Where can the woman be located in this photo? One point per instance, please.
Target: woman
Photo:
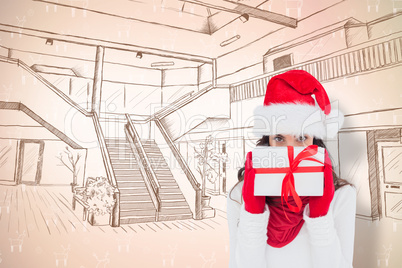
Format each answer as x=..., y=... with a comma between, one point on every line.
x=321, y=234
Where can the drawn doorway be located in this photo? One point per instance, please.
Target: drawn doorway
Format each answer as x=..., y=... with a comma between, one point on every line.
x=30, y=162
x=390, y=175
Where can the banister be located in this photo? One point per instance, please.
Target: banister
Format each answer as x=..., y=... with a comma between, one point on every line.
x=161, y=111
x=184, y=102
x=185, y=168
x=176, y=105
x=109, y=170
x=60, y=93
x=145, y=165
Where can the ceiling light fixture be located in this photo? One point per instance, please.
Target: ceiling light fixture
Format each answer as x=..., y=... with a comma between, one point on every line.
x=162, y=64
x=49, y=42
x=244, y=18
x=230, y=40
x=139, y=55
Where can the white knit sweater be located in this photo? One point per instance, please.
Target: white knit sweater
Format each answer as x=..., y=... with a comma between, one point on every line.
x=324, y=242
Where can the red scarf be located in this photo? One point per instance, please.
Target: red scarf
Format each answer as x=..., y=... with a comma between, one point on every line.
x=282, y=231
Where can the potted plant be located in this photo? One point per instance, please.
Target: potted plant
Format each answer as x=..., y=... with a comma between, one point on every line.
x=72, y=166
x=99, y=197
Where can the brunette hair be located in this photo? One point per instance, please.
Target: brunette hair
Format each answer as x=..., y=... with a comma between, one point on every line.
x=264, y=141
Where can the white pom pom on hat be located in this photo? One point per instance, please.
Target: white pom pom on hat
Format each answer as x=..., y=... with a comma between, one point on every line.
x=289, y=108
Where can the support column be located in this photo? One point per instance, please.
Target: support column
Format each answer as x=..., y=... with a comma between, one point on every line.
x=198, y=77
x=98, y=77
x=163, y=73
x=223, y=189
x=214, y=73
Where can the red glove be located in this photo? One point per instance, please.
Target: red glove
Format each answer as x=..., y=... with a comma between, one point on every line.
x=253, y=204
x=319, y=205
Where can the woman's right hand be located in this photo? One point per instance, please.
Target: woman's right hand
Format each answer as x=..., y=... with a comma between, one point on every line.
x=253, y=204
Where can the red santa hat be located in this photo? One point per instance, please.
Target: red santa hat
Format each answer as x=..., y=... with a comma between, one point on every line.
x=289, y=108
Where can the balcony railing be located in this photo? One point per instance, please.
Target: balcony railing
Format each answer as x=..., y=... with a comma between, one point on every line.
x=370, y=58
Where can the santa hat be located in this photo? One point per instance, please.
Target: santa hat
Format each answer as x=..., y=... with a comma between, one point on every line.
x=289, y=108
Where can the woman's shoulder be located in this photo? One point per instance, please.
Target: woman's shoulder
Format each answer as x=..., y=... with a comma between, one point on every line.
x=347, y=191
x=235, y=193
x=344, y=198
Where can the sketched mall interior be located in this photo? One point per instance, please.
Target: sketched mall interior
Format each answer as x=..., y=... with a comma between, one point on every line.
x=151, y=102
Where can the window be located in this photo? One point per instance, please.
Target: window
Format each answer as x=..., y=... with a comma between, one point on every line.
x=283, y=62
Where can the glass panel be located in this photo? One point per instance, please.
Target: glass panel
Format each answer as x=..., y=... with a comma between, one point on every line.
x=392, y=159
x=30, y=162
x=7, y=159
x=393, y=205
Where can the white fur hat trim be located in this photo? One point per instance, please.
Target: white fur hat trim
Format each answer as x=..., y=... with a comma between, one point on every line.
x=296, y=119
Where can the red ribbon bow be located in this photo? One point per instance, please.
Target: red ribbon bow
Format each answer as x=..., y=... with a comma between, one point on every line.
x=288, y=183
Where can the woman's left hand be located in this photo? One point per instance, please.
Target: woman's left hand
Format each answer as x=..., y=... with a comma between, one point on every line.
x=319, y=205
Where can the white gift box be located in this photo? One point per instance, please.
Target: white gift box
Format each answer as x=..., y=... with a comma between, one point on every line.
x=272, y=164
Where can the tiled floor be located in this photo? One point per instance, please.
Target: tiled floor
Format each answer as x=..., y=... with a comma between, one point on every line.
x=378, y=243
x=39, y=229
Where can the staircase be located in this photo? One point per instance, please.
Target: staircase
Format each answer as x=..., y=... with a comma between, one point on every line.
x=173, y=204
x=135, y=203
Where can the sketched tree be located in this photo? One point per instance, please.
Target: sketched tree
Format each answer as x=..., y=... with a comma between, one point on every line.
x=71, y=165
x=208, y=156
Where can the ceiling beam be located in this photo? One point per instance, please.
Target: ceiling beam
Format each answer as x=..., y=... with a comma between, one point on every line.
x=94, y=42
x=232, y=7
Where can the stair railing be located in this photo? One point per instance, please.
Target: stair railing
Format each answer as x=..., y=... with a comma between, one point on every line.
x=144, y=164
x=115, y=222
x=173, y=107
x=60, y=93
x=185, y=168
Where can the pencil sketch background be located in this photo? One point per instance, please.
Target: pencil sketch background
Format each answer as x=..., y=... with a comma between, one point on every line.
x=157, y=97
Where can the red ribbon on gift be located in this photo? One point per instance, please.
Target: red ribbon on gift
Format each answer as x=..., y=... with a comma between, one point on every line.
x=288, y=183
